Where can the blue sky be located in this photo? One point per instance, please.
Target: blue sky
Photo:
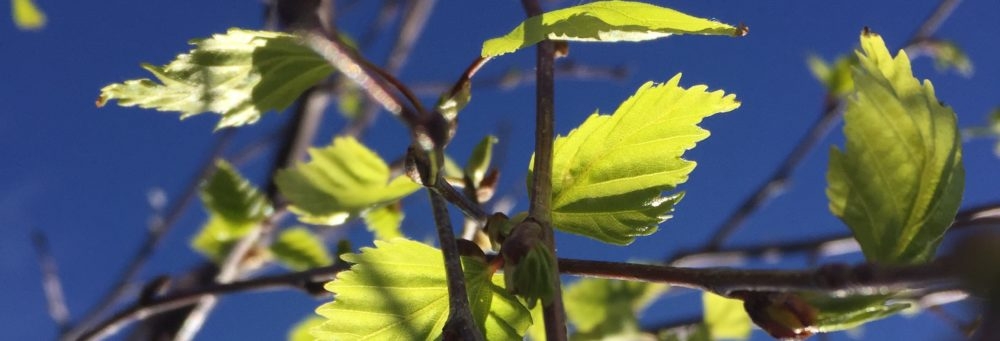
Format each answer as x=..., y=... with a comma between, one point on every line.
x=82, y=174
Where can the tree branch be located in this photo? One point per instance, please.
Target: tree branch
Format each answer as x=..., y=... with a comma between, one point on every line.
x=460, y=323
x=541, y=187
x=156, y=233
x=51, y=283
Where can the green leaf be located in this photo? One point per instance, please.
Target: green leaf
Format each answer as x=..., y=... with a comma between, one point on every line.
x=235, y=208
x=232, y=197
x=341, y=181
x=836, y=77
x=608, y=174
x=398, y=291
x=239, y=75
x=698, y=332
x=384, y=222
x=299, y=249
x=600, y=308
x=218, y=236
x=899, y=181
x=947, y=55
x=302, y=330
x=725, y=317
x=479, y=162
x=843, y=313
x=27, y=15
x=605, y=21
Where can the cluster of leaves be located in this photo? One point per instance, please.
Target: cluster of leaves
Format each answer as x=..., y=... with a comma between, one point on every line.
x=897, y=183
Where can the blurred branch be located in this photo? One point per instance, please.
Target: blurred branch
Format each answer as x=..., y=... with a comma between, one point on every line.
x=826, y=246
x=156, y=233
x=50, y=281
x=311, y=281
x=515, y=78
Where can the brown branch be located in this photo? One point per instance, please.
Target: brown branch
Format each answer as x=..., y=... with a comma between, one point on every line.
x=827, y=246
x=156, y=234
x=933, y=278
x=513, y=78
x=541, y=187
x=460, y=323
x=51, y=283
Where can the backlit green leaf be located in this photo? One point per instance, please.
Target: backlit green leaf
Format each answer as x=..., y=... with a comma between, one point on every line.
x=27, y=15
x=899, y=181
x=835, y=76
x=339, y=182
x=725, y=317
x=234, y=198
x=601, y=308
x=398, y=291
x=605, y=21
x=609, y=174
x=235, y=207
x=302, y=330
x=384, y=222
x=299, y=249
x=239, y=75
x=218, y=236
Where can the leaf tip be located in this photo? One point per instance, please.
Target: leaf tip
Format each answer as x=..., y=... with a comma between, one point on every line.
x=741, y=30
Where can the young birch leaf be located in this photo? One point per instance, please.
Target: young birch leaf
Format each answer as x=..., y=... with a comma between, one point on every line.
x=605, y=21
x=398, y=291
x=725, y=317
x=899, y=181
x=235, y=207
x=27, y=15
x=479, y=161
x=608, y=174
x=299, y=249
x=384, y=221
x=340, y=182
x=239, y=75
x=603, y=308
x=302, y=331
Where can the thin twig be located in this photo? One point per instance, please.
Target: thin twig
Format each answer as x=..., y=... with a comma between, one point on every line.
x=156, y=233
x=935, y=19
x=541, y=187
x=51, y=283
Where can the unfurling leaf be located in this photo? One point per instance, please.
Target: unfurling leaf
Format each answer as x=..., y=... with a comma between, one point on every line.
x=783, y=315
x=898, y=183
x=235, y=207
x=299, y=249
x=725, y=317
x=479, y=162
x=239, y=75
x=339, y=182
x=605, y=21
x=608, y=309
x=608, y=175
x=528, y=264
x=384, y=221
x=398, y=291
x=947, y=55
x=27, y=15
x=843, y=313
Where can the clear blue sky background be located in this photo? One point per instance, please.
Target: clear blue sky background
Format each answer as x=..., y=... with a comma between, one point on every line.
x=81, y=174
